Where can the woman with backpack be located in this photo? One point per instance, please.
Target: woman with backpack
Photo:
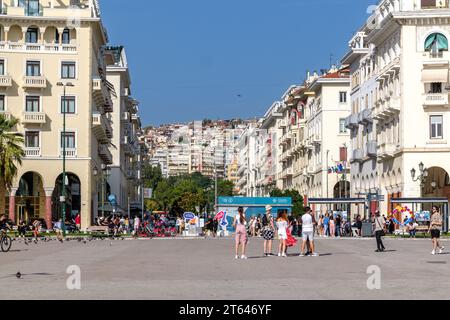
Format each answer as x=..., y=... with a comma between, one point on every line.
x=268, y=231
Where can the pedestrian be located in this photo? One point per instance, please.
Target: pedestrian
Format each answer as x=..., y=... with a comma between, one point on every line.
x=22, y=228
x=240, y=224
x=326, y=221
x=127, y=225
x=332, y=226
x=435, y=230
x=380, y=231
x=308, y=233
x=282, y=225
x=338, y=225
x=78, y=222
x=137, y=225
x=359, y=225
x=391, y=226
x=253, y=222
x=36, y=228
x=268, y=231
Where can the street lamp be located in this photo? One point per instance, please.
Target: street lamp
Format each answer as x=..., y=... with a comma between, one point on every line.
x=63, y=190
x=105, y=175
x=422, y=176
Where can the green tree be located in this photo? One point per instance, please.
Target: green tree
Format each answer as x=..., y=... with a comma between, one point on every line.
x=11, y=151
x=151, y=176
x=297, y=200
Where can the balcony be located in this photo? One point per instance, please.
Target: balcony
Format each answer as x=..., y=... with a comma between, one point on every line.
x=358, y=155
x=32, y=152
x=316, y=139
x=435, y=99
x=310, y=170
x=130, y=174
x=34, y=82
x=365, y=117
x=104, y=153
x=70, y=153
x=351, y=121
x=5, y=81
x=102, y=95
x=125, y=116
x=371, y=148
x=34, y=118
x=386, y=151
x=37, y=47
x=101, y=127
x=6, y=115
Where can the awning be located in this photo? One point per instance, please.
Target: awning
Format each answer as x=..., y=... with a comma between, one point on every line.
x=435, y=75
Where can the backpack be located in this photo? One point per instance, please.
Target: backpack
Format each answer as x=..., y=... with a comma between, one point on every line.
x=265, y=220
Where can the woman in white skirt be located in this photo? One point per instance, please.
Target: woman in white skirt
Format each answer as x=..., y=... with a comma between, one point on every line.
x=282, y=225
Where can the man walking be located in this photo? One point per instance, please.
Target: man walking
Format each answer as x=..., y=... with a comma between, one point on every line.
x=435, y=229
x=380, y=231
x=308, y=232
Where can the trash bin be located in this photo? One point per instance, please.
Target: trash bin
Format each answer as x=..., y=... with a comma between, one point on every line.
x=367, y=229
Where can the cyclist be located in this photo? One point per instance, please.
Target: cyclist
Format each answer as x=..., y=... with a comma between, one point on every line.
x=4, y=226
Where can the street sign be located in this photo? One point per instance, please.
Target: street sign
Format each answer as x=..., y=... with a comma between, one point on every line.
x=148, y=193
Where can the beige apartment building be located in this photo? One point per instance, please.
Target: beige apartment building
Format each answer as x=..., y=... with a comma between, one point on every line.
x=400, y=110
x=43, y=43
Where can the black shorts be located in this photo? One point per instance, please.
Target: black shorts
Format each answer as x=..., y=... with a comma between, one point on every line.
x=435, y=234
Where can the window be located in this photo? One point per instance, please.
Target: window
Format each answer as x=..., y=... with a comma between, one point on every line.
x=32, y=35
x=342, y=128
x=32, y=104
x=68, y=105
x=31, y=7
x=68, y=70
x=65, y=36
x=436, y=87
x=33, y=68
x=436, y=130
x=32, y=139
x=2, y=103
x=343, y=97
x=436, y=43
x=2, y=67
x=69, y=140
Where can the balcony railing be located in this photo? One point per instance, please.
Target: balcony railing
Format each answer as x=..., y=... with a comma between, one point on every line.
x=386, y=151
x=5, y=81
x=34, y=82
x=31, y=152
x=371, y=148
x=70, y=153
x=37, y=47
x=358, y=155
x=435, y=99
x=6, y=115
x=102, y=95
x=104, y=153
x=34, y=118
x=351, y=121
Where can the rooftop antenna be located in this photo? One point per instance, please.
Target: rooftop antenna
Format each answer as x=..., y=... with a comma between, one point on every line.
x=331, y=60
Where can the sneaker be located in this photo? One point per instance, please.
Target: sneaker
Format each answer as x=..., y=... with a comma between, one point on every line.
x=301, y=255
x=433, y=252
x=236, y=257
x=441, y=250
x=243, y=257
x=284, y=255
x=279, y=254
x=314, y=254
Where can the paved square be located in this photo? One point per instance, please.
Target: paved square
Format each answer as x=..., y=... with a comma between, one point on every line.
x=206, y=269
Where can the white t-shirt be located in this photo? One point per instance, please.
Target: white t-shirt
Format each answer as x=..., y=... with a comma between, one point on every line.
x=238, y=220
x=307, y=223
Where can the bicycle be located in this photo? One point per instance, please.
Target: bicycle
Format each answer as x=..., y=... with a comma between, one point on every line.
x=5, y=241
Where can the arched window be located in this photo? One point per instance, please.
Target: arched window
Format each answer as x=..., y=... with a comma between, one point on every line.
x=436, y=42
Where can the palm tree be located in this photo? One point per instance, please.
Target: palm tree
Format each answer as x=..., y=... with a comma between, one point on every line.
x=11, y=151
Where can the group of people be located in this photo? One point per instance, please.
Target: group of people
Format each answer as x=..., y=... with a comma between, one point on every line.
x=281, y=226
x=326, y=226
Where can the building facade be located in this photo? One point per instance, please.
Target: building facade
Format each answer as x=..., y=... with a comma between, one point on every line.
x=399, y=68
x=49, y=48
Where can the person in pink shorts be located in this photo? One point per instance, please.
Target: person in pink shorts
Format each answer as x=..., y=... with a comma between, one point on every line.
x=240, y=224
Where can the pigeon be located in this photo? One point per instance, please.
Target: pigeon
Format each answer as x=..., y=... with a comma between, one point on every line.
x=79, y=240
x=84, y=241
x=26, y=242
x=18, y=275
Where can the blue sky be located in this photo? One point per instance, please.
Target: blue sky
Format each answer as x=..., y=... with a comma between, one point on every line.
x=196, y=59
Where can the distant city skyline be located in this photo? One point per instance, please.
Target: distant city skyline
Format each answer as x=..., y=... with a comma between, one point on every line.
x=223, y=60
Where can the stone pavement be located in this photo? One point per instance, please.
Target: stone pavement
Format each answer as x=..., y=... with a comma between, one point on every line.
x=206, y=269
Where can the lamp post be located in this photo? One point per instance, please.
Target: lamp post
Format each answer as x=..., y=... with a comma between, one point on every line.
x=64, y=106
x=105, y=175
x=422, y=177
